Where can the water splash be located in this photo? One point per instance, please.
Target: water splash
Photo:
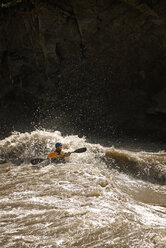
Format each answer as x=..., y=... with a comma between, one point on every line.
x=22, y=147
x=81, y=203
x=146, y=165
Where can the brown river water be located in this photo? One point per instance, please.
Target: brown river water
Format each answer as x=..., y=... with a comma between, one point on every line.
x=86, y=202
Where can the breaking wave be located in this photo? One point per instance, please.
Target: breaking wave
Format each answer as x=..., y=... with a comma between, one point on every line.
x=22, y=147
x=87, y=202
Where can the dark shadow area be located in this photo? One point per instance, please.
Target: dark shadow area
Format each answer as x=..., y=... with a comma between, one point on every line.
x=95, y=69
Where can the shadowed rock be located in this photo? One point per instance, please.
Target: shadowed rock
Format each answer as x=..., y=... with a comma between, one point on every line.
x=99, y=63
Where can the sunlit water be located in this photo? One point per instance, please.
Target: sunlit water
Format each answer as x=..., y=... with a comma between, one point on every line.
x=83, y=203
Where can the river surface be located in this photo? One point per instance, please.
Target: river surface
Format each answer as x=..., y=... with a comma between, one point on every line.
x=86, y=202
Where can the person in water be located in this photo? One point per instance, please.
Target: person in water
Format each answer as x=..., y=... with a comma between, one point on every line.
x=58, y=155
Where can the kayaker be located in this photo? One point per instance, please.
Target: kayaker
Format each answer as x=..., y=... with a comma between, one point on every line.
x=58, y=155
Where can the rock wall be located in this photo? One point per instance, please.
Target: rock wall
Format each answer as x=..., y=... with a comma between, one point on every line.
x=98, y=65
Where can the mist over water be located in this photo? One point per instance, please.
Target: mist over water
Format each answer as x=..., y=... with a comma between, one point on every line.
x=87, y=202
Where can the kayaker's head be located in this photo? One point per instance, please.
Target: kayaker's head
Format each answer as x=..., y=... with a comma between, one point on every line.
x=58, y=146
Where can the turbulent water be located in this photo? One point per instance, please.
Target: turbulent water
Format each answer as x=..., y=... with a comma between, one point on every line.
x=87, y=202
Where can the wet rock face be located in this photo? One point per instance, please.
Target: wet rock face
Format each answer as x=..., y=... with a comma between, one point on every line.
x=99, y=63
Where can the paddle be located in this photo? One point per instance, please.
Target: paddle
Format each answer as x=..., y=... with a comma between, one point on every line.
x=39, y=160
x=80, y=150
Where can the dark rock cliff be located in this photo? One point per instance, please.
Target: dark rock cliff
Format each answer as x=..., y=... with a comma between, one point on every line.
x=91, y=65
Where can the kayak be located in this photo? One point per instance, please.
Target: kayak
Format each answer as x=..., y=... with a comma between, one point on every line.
x=57, y=160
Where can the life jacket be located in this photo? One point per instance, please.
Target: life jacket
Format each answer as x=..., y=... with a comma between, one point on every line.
x=58, y=155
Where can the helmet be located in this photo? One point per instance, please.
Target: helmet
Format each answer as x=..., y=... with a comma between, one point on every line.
x=58, y=144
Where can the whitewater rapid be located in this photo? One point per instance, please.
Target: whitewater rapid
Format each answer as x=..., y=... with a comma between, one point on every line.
x=87, y=202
